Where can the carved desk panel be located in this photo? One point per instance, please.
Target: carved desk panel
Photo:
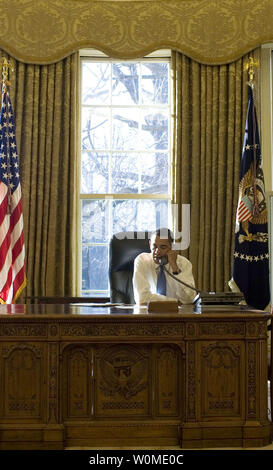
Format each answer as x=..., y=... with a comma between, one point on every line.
x=80, y=375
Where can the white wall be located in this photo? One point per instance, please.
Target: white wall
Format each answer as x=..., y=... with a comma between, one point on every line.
x=266, y=115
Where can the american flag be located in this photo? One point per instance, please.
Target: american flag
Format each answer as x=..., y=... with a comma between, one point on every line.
x=12, y=250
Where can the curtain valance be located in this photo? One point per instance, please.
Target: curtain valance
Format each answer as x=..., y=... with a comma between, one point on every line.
x=209, y=31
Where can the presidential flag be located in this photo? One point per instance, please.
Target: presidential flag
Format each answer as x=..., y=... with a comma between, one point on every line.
x=12, y=251
x=251, y=258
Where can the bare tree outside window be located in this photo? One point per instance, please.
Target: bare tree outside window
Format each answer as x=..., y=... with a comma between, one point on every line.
x=125, y=157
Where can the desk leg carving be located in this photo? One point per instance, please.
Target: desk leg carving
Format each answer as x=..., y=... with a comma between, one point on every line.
x=53, y=412
x=251, y=377
x=191, y=382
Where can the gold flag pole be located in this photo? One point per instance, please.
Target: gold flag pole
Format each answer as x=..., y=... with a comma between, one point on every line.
x=250, y=67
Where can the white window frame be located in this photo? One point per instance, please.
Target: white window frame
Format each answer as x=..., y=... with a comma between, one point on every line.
x=95, y=55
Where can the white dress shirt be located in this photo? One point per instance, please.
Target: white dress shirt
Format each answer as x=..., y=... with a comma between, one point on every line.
x=145, y=280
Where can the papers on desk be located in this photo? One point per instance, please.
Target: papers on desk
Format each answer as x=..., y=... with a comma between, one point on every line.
x=119, y=306
x=96, y=304
x=105, y=308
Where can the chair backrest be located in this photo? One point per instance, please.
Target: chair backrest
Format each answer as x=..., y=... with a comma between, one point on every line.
x=124, y=247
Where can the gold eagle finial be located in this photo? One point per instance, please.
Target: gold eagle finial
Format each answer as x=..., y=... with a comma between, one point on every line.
x=6, y=65
x=250, y=66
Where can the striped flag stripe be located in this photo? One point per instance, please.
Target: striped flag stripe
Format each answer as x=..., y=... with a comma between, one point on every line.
x=4, y=248
x=243, y=206
x=3, y=208
x=3, y=191
x=18, y=228
x=17, y=267
x=19, y=263
x=14, y=217
x=12, y=251
x=4, y=229
x=18, y=247
x=245, y=216
x=4, y=291
x=18, y=281
x=4, y=232
x=15, y=251
x=18, y=253
x=243, y=211
x=5, y=269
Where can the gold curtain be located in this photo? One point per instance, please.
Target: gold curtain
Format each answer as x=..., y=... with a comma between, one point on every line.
x=44, y=101
x=209, y=31
x=210, y=111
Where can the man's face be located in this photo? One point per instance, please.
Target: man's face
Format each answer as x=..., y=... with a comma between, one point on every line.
x=159, y=247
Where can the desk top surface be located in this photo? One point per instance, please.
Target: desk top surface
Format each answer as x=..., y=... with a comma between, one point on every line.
x=104, y=311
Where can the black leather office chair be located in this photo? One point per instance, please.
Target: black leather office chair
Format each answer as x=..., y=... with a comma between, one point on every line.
x=123, y=251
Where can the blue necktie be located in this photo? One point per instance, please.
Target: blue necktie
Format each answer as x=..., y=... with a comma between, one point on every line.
x=161, y=282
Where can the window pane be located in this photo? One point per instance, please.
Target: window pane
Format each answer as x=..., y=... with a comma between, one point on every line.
x=155, y=83
x=95, y=267
x=154, y=127
x=95, y=128
x=154, y=173
x=161, y=214
x=129, y=215
x=125, y=128
x=96, y=83
x=94, y=221
x=125, y=83
x=95, y=173
x=125, y=173
x=124, y=215
x=124, y=150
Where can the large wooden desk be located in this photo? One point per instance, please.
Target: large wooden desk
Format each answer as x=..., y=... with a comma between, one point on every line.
x=74, y=375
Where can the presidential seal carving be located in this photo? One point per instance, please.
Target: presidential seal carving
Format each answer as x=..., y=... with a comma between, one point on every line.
x=122, y=370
